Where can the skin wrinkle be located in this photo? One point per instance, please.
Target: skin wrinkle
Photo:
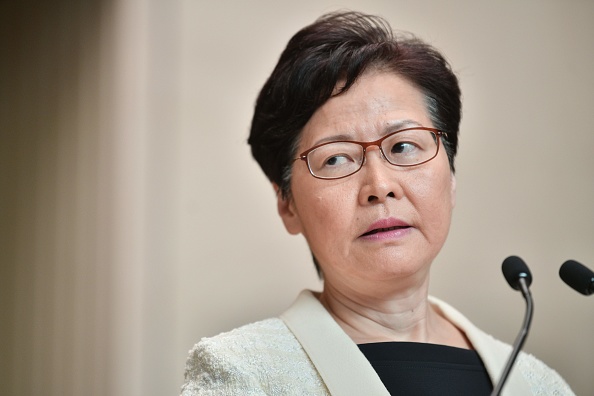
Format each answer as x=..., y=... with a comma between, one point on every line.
x=408, y=325
x=377, y=291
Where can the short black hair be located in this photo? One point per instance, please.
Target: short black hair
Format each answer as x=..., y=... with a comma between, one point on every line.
x=339, y=47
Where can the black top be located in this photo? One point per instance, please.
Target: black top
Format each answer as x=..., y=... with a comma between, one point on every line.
x=410, y=368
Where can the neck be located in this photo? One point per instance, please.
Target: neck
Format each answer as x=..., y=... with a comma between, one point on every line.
x=404, y=315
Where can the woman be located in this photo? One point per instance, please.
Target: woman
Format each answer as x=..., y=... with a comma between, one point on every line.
x=357, y=130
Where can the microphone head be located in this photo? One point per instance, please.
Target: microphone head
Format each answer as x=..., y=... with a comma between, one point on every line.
x=513, y=269
x=578, y=277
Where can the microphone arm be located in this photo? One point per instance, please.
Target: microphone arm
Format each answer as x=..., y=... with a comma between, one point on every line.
x=518, y=276
x=520, y=339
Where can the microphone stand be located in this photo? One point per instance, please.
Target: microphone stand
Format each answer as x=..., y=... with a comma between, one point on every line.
x=520, y=339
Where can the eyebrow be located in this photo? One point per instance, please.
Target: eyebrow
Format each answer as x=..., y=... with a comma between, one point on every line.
x=390, y=127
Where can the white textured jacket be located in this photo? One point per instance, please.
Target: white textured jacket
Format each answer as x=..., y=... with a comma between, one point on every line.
x=305, y=352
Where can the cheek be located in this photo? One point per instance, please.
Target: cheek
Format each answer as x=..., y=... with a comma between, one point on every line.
x=326, y=212
x=329, y=208
x=433, y=200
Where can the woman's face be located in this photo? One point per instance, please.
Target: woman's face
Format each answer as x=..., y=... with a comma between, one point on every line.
x=409, y=207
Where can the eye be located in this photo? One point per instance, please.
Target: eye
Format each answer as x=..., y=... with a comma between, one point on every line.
x=403, y=148
x=335, y=159
x=338, y=160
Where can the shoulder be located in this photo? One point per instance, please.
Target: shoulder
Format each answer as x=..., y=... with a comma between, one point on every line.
x=256, y=341
x=543, y=380
x=259, y=335
x=257, y=359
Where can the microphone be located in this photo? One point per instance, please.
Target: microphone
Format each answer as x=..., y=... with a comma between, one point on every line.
x=518, y=276
x=578, y=277
x=514, y=269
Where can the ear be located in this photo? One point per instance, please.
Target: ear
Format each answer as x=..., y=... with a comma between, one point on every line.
x=453, y=189
x=287, y=212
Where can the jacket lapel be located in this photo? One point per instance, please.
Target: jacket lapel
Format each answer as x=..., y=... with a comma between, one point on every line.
x=338, y=360
x=493, y=353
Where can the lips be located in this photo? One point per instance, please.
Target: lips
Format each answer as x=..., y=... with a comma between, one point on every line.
x=385, y=225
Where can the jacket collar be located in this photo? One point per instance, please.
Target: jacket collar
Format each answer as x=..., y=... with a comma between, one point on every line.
x=346, y=371
x=492, y=352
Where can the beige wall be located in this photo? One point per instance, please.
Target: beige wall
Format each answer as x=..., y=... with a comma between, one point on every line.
x=133, y=220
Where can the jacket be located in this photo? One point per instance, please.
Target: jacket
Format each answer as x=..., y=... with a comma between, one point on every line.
x=305, y=352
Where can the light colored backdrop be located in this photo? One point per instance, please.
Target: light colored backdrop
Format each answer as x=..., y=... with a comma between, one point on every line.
x=134, y=221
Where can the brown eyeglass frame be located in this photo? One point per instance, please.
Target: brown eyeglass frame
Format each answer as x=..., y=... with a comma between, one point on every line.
x=303, y=156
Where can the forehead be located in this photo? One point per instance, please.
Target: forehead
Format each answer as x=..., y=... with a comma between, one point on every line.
x=376, y=104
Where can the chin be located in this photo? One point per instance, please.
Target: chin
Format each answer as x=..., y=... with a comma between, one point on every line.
x=403, y=272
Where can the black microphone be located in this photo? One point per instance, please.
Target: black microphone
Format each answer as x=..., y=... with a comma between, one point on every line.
x=578, y=277
x=514, y=269
x=518, y=276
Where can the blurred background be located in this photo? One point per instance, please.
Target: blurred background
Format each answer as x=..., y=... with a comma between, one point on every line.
x=133, y=220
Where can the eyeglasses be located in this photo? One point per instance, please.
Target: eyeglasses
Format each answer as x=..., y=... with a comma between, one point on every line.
x=405, y=147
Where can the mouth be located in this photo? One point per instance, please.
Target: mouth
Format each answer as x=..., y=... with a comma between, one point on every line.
x=386, y=229
x=385, y=226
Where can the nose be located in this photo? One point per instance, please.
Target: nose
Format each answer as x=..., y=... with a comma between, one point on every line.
x=379, y=179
